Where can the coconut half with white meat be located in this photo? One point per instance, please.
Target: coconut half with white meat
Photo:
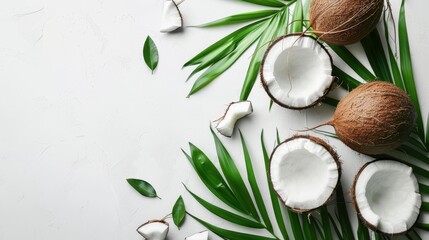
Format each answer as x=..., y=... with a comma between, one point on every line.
x=154, y=230
x=296, y=71
x=304, y=172
x=386, y=196
x=199, y=236
x=171, y=17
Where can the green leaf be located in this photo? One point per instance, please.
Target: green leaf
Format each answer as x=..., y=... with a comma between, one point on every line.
x=425, y=207
x=213, y=180
x=407, y=68
x=331, y=101
x=150, y=53
x=343, y=216
x=142, y=187
x=233, y=177
x=378, y=236
x=255, y=62
x=308, y=228
x=324, y=214
x=254, y=185
x=362, y=232
x=216, y=56
x=353, y=62
x=215, y=49
x=267, y=3
x=317, y=226
x=424, y=226
x=377, y=58
x=345, y=80
x=297, y=18
x=397, y=78
x=179, y=212
x=240, y=18
x=414, y=153
x=424, y=188
x=220, y=67
x=228, y=234
x=427, y=132
x=224, y=214
x=274, y=200
x=334, y=224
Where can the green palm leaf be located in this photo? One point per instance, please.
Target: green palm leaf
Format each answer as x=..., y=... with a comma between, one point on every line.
x=274, y=200
x=224, y=214
x=255, y=62
x=324, y=214
x=308, y=228
x=407, y=68
x=297, y=18
x=228, y=234
x=233, y=177
x=345, y=80
x=240, y=18
x=393, y=63
x=212, y=179
x=377, y=58
x=343, y=216
x=254, y=185
x=353, y=62
x=362, y=232
x=220, y=67
x=267, y=3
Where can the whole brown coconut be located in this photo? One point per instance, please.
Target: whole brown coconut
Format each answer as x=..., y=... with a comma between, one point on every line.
x=343, y=22
x=374, y=118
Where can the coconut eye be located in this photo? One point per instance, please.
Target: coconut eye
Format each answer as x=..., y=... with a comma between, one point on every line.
x=296, y=71
x=304, y=172
x=386, y=196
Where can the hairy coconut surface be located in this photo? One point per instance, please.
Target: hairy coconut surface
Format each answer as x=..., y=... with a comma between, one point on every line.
x=343, y=22
x=304, y=171
x=374, y=118
x=385, y=194
x=296, y=71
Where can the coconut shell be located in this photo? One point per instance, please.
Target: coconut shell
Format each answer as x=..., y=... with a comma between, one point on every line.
x=356, y=206
x=343, y=22
x=374, y=118
x=328, y=148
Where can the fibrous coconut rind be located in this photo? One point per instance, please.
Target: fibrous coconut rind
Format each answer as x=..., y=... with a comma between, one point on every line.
x=296, y=71
x=386, y=196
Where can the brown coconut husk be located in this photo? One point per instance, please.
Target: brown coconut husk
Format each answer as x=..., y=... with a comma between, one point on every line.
x=331, y=151
x=374, y=118
x=343, y=22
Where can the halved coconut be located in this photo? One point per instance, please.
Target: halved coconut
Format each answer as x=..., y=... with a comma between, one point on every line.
x=296, y=71
x=304, y=172
x=234, y=112
x=154, y=230
x=171, y=16
x=386, y=196
x=199, y=236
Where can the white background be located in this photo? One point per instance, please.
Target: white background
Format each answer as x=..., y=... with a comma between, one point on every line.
x=80, y=113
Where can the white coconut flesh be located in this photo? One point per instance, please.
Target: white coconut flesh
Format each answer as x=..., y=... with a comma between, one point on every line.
x=387, y=196
x=199, y=236
x=154, y=230
x=234, y=112
x=171, y=17
x=303, y=173
x=297, y=71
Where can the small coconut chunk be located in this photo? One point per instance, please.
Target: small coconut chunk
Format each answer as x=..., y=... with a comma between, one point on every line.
x=296, y=71
x=154, y=230
x=199, y=236
x=234, y=112
x=304, y=172
x=386, y=196
x=171, y=17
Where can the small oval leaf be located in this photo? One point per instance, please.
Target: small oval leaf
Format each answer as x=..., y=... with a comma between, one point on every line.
x=143, y=187
x=179, y=212
x=150, y=53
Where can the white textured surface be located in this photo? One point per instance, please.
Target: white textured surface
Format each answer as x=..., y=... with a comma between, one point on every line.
x=80, y=113
x=303, y=173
